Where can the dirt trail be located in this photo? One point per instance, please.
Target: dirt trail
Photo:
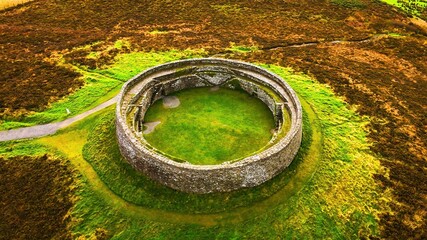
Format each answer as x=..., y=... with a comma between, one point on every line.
x=305, y=44
x=51, y=128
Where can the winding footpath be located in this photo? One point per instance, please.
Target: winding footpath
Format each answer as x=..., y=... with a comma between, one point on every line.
x=50, y=128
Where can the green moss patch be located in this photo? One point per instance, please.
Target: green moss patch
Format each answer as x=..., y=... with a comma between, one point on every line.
x=210, y=127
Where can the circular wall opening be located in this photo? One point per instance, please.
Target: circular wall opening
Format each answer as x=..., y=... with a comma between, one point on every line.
x=208, y=125
x=266, y=155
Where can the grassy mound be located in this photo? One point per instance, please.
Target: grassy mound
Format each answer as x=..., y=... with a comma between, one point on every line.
x=210, y=127
x=327, y=192
x=102, y=152
x=329, y=187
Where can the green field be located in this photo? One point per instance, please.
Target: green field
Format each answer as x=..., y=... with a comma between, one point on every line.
x=210, y=127
x=327, y=192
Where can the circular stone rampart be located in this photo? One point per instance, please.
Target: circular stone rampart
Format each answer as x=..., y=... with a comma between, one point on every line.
x=145, y=88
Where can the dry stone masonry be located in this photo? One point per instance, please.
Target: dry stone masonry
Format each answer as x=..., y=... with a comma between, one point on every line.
x=155, y=83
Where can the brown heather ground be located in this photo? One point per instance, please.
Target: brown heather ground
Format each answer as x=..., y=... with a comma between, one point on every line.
x=387, y=80
x=384, y=77
x=35, y=197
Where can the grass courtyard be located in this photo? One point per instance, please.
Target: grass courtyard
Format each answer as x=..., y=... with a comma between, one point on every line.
x=210, y=127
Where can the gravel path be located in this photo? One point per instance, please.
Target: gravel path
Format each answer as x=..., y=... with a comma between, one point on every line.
x=51, y=128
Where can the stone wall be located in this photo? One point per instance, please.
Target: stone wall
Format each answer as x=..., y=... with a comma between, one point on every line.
x=139, y=92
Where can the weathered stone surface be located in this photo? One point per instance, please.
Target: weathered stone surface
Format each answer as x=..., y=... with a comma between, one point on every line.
x=145, y=88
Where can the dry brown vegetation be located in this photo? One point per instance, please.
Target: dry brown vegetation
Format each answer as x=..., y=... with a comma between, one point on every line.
x=385, y=76
x=32, y=33
x=35, y=197
x=386, y=80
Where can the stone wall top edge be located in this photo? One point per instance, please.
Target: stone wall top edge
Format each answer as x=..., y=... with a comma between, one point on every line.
x=227, y=62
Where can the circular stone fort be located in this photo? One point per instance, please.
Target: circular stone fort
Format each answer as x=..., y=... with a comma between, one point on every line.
x=139, y=93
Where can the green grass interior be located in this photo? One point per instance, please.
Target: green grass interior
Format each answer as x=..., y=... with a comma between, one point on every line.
x=210, y=127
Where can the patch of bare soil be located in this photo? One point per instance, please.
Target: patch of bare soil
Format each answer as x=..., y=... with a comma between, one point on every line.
x=171, y=102
x=150, y=126
x=35, y=198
